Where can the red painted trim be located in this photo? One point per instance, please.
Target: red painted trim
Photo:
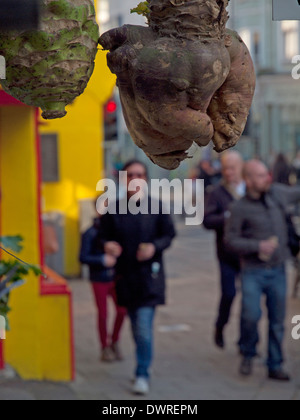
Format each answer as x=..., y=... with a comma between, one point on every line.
x=0, y=189
x=2, y=364
x=72, y=346
x=53, y=289
x=6, y=99
x=54, y=284
x=39, y=185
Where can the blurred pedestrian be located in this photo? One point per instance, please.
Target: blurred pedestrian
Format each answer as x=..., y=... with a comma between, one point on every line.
x=138, y=242
x=281, y=170
x=257, y=230
x=230, y=189
x=102, y=277
x=217, y=174
x=296, y=167
x=206, y=172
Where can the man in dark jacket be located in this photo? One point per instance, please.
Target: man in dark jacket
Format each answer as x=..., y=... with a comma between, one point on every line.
x=257, y=231
x=102, y=278
x=138, y=242
x=231, y=188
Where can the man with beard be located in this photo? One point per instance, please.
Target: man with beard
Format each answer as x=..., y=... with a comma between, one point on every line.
x=258, y=231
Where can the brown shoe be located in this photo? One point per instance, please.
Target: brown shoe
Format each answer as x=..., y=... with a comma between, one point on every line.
x=107, y=355
x=116, y=351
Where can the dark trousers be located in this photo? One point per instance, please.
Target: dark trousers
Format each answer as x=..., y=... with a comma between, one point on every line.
x=229, y=275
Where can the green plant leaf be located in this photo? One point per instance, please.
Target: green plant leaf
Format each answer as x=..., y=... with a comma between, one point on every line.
x=21, y=269
x=4, y=309
x=35, y=269
x=12, y=242
x=142, y=9
x=7, y=266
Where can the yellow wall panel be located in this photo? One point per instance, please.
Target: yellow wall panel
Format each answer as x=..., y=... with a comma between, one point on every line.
x=19, y=215
x=55, y=337
x=39, y=345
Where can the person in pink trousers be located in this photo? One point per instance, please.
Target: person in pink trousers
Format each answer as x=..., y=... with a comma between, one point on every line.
x=101, y=274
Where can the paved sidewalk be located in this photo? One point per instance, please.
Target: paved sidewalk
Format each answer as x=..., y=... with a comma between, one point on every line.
x=187, y=364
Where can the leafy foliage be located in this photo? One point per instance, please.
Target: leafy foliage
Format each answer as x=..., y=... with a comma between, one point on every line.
x=12, y=242
x=142, y=9
x=12, y=273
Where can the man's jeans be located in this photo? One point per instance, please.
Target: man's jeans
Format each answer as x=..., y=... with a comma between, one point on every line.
x=142, y=330
x=229, y=275
x=272, y=283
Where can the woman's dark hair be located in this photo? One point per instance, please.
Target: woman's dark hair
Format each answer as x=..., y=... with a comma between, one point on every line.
x=135, y=162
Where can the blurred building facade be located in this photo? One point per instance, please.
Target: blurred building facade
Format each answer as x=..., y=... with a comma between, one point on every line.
x=274, y=123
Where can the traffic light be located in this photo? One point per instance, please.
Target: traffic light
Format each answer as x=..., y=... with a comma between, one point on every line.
x=111, y=120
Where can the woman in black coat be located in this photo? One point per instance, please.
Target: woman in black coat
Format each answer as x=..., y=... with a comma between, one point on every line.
x=138, y=242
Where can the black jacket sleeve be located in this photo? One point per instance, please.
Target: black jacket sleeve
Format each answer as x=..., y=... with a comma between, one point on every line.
x=106, y=230
x=166, y=233
x=286, y=194
x=234, y=238
x=214, y=217
x=86, y=252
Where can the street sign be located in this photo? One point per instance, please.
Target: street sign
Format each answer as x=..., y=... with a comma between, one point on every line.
x=286, y=9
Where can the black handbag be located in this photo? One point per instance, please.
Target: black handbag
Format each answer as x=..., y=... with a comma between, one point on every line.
x=294, y=238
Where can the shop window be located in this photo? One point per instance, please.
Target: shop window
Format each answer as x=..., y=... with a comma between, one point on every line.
x=49, y=158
